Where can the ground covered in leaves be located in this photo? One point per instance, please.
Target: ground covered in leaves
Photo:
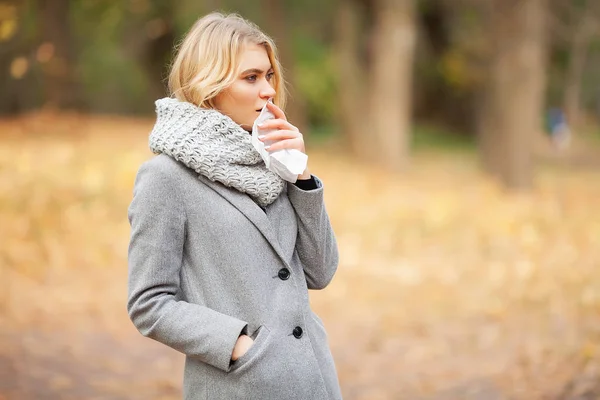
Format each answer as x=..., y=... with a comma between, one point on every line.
x=448, y=287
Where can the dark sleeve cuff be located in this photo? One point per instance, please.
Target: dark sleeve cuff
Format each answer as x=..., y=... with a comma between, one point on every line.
x=307, y=184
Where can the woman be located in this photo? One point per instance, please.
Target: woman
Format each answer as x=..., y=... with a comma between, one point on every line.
x=223, y=251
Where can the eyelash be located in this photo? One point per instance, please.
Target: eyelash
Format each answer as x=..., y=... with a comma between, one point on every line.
x=252, y=78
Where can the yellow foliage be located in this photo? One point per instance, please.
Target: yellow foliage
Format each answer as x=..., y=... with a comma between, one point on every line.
x=7, y=29
x=8, y=21
x=19, y=67
x=443, y=277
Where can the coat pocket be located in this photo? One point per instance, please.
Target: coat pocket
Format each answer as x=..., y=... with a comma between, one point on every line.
x=261, y=342
x=279, y=367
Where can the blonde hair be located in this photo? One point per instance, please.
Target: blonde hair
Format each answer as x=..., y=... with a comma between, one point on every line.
x=207, y=60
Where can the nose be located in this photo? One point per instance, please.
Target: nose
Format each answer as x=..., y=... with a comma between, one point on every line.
x=267, y=91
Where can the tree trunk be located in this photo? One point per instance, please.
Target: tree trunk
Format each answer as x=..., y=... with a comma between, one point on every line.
x=391, y=73
x=60, y=80
x=353, y=117
x=489, y=135
x=515, y=96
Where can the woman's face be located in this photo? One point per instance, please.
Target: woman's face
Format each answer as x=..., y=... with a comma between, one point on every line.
x=247, y=95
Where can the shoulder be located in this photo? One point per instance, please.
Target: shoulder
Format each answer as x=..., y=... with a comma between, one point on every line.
x=162, y=164
x=161, y=173
x=156, y=192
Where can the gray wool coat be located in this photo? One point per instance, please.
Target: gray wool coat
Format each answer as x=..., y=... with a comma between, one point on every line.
x=206, y=264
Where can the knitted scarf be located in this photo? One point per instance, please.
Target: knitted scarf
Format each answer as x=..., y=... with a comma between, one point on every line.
x=214, y=146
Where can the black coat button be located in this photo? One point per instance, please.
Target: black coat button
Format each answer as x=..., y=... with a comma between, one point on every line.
x=297, y=332
x=284, y=274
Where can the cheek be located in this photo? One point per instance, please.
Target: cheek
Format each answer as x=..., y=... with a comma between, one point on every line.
x=248, y=95
x=241, y=100
x=244, y=90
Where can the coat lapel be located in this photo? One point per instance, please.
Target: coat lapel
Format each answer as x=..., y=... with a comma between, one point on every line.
x=251, y=210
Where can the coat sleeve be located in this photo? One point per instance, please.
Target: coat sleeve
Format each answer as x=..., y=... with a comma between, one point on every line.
x=316, y=243
x=155, y=254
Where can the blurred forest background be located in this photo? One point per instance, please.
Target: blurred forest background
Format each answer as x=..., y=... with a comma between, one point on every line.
x=403, y=70
x=460, y=145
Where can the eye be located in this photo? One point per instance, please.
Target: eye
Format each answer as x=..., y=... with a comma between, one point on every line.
x=270, y=75
x=251, y=78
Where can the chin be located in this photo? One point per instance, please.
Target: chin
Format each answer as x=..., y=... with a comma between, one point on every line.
x=247, y=127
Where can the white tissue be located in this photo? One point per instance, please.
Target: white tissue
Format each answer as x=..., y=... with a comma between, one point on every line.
x=287, y=163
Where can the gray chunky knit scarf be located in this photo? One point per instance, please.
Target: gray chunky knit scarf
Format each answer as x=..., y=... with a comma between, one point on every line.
x=214, y=146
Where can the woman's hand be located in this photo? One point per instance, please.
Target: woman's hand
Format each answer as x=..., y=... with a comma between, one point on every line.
x=242, y=346
x=284, y=136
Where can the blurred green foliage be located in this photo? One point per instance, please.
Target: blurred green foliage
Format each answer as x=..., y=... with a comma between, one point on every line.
x=122, y=50
x=429, y=136
x=316, y=79
x=112, y=80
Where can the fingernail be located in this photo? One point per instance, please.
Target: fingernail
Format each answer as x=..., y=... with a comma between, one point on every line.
x=261, y=137
x=260, y=125
x=267, y=147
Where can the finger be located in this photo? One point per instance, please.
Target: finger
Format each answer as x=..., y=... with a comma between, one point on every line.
x=280, y=135
x=278, y=112
x=277, y=124
x=297, y=144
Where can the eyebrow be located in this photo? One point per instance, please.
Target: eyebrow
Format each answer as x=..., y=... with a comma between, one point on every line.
x=255, y=71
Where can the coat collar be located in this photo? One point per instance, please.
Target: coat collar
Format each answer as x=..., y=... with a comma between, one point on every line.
x=251, y=210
